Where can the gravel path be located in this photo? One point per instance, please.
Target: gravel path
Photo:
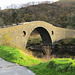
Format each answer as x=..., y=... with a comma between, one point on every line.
x=7, y=68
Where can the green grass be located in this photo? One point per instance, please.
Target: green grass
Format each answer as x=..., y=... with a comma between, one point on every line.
x=63, y=66
x=16, y=56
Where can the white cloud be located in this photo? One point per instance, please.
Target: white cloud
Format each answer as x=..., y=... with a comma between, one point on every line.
x=4, y=3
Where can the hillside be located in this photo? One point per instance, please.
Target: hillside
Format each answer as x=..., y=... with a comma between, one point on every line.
x=61, y=14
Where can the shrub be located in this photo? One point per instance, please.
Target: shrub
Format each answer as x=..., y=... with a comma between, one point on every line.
x=52, y=64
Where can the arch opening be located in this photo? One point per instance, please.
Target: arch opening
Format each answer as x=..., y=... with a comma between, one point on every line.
x=52, y=32
x=39, y=40
x=46, y=39
x=24, y=33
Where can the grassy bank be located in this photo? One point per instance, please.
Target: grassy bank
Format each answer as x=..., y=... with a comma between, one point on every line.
x=16, y=56
x=58, y=66
x=63, y=66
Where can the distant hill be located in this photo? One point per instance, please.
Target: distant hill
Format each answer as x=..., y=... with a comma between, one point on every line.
x=61, y=14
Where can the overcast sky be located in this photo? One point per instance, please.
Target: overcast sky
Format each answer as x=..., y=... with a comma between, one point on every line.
x=4, y=3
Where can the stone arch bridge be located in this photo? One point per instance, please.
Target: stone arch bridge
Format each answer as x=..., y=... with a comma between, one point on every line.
x=49, y=33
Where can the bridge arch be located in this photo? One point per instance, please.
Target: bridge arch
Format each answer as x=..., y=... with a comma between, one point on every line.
x=21, y=33
x=46, y=38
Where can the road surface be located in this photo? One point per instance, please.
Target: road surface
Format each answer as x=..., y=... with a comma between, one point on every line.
x=8, y=68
